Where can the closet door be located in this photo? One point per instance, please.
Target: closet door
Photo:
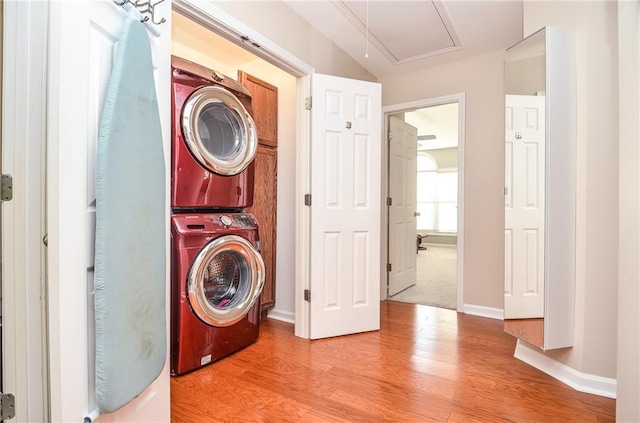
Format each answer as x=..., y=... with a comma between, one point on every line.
x=264, y=209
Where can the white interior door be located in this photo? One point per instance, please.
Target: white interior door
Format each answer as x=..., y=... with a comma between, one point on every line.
x=524, y=206
x=83, y=38
x=345, y=208
x=403, y=150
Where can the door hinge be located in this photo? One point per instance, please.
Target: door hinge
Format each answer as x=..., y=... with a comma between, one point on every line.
x=389, y=136
x=389, y=201
x=6, y=188
x=307, y=295
x=7, y=406
x=388, y=267
x=506, y=190
x=307, y=200
x=308, y=103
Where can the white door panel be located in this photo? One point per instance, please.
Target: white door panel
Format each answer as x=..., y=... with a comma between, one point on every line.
x=345, y=211
x=83, y=43
x=524, y=206
x=402, y=218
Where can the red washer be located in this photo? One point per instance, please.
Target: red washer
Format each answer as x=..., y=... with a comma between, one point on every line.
x=217, y=277
x=214, y=140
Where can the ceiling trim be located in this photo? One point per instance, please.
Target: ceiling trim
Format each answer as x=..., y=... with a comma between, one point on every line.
x=362, y=28
x=421, y=104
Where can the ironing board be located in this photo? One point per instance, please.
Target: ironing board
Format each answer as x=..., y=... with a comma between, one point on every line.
x=130, y=258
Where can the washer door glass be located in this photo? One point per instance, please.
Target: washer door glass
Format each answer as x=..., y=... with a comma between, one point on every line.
x=219, y=131
x=225, y=280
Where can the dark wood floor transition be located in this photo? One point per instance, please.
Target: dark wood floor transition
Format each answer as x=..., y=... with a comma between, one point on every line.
x=424, y=365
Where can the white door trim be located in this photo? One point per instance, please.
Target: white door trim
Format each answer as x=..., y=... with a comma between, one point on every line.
x=419, y=104
x=303, y=212
x=216, y=20
x=24, y=255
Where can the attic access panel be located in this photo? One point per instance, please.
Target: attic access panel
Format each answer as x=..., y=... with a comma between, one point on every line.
x=387, y=21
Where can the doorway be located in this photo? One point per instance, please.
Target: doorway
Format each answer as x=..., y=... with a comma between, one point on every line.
x=439, y=201
x=196, y=42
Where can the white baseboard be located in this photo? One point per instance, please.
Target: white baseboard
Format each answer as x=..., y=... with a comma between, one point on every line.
x=282, y=315
x=583, y=382
x=482, y=311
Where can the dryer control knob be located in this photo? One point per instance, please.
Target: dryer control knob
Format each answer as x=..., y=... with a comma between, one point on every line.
x=226, y=221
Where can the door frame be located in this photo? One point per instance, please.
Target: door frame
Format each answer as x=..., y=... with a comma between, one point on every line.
x=24, y=69
x=421, y=104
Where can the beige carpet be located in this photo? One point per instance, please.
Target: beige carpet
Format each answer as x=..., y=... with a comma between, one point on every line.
x=436, y=283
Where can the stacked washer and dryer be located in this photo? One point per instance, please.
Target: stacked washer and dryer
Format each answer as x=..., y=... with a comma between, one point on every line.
x=216, y=268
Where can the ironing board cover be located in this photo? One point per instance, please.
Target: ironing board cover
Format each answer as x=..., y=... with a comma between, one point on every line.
x=130, y=258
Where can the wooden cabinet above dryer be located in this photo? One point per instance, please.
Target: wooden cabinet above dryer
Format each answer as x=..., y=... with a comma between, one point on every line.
x=265, y=108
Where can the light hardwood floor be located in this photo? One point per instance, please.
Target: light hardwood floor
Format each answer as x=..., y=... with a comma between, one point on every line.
x=424, y=365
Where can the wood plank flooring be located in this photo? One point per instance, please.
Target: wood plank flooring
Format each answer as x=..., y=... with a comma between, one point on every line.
x=424, y=365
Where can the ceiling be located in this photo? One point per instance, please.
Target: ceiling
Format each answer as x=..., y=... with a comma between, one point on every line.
x=437, y=126
x=395, y=36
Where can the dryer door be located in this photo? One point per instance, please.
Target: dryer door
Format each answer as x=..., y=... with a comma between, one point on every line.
x=219, y=131
x=225, y=280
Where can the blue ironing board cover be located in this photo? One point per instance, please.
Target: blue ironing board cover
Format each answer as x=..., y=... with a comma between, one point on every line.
x=130, y=257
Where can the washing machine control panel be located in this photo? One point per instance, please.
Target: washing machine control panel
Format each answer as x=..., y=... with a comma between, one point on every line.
x=226, y=221
x=245, y=221
x=240, y=220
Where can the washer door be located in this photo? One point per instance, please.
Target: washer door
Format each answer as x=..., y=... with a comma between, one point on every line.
x=219, y=131
x=225, y=280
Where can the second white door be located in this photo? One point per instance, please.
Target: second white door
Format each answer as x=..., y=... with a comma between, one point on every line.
x=345, y=210
x=403, y=139
x=524, y=207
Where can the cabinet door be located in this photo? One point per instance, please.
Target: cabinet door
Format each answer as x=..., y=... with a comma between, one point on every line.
x=265, y=108
x=264, y=208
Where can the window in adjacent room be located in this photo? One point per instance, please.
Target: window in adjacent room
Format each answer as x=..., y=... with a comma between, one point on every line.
x=437, y=196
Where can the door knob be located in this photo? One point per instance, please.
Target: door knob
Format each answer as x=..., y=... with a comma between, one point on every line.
x=416, y=214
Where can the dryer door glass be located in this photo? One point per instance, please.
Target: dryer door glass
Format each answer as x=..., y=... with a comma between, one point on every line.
x=219, y=131
x=225, y=280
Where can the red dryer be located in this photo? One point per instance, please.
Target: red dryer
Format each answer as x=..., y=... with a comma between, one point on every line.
x=217, y=277
x=214, y=140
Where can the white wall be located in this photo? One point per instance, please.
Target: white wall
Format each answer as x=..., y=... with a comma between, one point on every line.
x=525, y=76
x=277, y=22
x=484, y=164
x=627, y=405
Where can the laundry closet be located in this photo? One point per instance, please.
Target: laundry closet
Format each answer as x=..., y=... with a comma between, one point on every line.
x=273, y=94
